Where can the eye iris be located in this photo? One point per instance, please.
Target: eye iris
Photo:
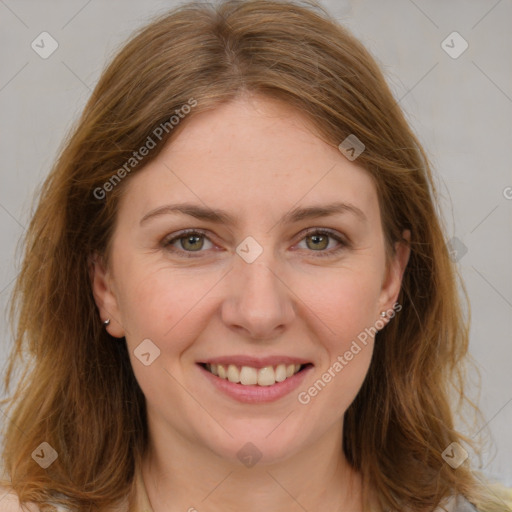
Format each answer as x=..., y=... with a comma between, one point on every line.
x=319, y=241
x=192, y=238
x=316, y=238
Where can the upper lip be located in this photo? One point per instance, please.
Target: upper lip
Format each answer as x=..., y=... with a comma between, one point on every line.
x=254, y=362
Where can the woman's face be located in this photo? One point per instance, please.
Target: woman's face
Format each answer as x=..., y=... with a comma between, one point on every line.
x=270, y=280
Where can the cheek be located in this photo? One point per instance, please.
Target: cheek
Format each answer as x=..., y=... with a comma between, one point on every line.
x=163, y=305
x=344, y=309
x=170, y=310
x=345, y=302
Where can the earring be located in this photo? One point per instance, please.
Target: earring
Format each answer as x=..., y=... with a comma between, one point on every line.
x=106, y=322
x=383, y=314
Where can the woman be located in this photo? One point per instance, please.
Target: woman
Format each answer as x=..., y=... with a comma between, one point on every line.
x=236, y=288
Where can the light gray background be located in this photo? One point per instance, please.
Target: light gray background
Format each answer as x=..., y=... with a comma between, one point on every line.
x=460, y=108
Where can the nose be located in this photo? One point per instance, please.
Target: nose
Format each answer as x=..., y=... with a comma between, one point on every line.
x=258, y=304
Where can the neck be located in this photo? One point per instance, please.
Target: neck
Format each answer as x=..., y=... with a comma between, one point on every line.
x=182, y=476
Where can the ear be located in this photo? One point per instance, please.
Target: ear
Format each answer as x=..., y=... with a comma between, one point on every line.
x=104, y=295
x=395, y=271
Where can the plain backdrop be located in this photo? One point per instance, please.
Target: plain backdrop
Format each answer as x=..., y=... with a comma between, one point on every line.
x=458, y=102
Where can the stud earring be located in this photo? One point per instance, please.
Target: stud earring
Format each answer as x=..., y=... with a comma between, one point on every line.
x=383, y=314
x=106, y=322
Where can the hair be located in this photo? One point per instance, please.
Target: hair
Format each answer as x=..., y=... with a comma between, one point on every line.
x=78, y=391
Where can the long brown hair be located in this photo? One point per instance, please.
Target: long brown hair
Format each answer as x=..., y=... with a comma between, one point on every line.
x=78, y=392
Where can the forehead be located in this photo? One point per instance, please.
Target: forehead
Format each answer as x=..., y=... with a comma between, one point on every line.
x=251, y=156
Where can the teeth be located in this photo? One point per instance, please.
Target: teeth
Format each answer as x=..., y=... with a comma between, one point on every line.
x=233, y=373
x=266, y=376
x=249, y=376
x=281, y=372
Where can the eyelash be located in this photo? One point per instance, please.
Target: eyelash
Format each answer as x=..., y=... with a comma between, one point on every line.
x=167, y=242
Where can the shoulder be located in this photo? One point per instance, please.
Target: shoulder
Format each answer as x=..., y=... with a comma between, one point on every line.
x=457, y=503
x=463, y=505
x=9, y=502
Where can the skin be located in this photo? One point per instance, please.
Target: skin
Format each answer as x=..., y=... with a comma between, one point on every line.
x=257, y=159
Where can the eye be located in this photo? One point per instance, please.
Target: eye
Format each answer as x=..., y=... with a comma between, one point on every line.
x=188, y=241
x=317, y=240
x=192, y=241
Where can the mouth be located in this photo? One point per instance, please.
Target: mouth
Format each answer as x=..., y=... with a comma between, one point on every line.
x=250, y=376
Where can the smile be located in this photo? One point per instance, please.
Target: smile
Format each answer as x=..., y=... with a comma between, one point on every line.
x=248, y=384
x=250, y=376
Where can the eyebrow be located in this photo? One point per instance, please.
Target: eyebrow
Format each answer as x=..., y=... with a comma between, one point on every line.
x=223, y=217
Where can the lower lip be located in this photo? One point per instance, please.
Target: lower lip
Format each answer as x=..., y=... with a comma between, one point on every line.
x=257, y=394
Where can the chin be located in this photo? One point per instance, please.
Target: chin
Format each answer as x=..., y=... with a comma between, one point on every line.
x=257, y=445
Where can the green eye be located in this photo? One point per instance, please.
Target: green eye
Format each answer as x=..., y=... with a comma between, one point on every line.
x=189, y=242
x=317, y=240
x=192, y=241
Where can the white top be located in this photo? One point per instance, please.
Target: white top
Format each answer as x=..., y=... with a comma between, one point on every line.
x=138, y=501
